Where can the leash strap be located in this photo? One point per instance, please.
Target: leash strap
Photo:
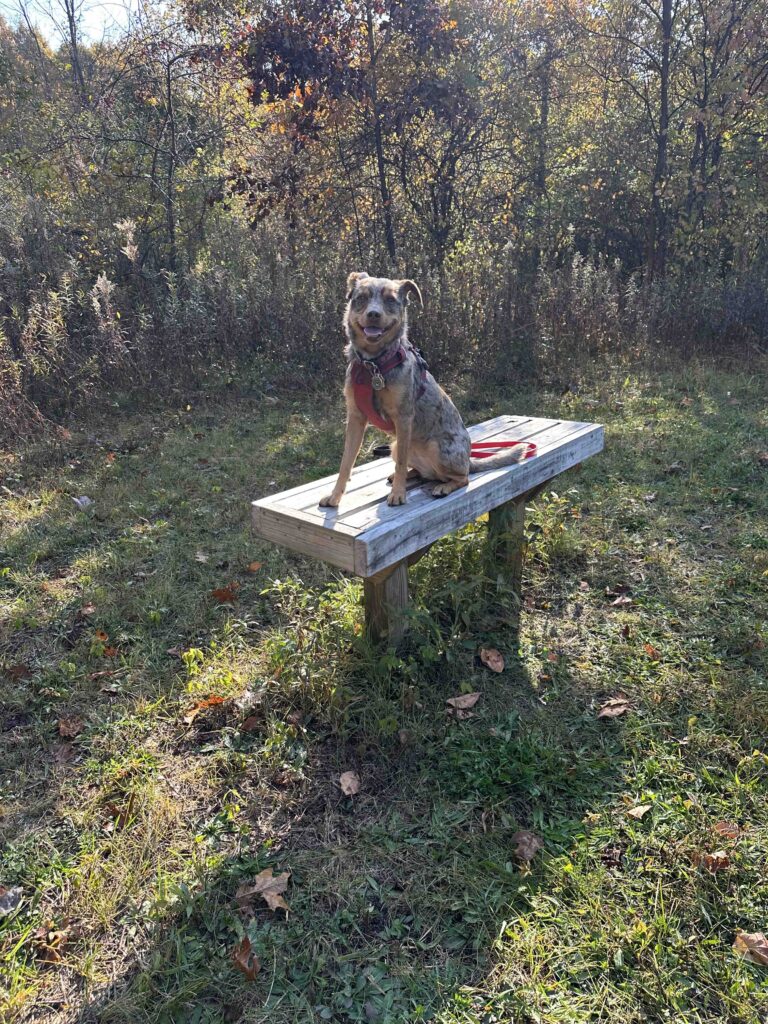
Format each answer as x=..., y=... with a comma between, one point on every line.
x=484, y=449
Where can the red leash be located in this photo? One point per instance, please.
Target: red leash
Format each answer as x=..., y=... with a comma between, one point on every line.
x=484, y=449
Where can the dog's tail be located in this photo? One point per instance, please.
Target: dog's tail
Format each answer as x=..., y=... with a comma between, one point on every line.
x=506, y=457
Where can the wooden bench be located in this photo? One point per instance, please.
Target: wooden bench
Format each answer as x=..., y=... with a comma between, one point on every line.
x=366, y=537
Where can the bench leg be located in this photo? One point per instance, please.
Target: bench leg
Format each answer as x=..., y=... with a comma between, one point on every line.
x=386, y=596
x=506, y=545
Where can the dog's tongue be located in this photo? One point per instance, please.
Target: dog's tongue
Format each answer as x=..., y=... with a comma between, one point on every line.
x=373, y=332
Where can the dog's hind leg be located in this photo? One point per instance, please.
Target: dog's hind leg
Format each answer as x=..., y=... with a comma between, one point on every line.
x=447, y=487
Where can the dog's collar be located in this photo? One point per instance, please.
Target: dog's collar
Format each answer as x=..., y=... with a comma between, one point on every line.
x=375, y=369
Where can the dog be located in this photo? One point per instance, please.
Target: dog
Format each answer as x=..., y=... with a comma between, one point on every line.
x=387, y=383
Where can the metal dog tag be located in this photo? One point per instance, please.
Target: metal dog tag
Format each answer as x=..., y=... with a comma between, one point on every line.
x=377, y=381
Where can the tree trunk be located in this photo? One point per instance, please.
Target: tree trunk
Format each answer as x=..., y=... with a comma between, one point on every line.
x=386, y=197
x=659, y=227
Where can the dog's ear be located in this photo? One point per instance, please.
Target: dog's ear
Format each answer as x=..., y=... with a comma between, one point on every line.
x=407, y=288
x=352, y=280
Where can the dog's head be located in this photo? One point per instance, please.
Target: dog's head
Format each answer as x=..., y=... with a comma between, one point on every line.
x=376, y=310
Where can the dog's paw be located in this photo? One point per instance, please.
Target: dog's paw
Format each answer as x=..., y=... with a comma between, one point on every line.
x=441, y=490
x=396, y=497
x=330, y=501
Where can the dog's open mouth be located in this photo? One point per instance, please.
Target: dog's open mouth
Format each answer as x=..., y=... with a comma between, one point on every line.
x=374, y=331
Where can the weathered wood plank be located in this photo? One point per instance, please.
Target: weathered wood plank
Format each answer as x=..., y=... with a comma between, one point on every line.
x=385, y=602
x=390, y=541
x=309, y=537
x=506, y=547
x=551, y=434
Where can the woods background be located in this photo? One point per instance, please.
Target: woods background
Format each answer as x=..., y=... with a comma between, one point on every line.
x=565, y=180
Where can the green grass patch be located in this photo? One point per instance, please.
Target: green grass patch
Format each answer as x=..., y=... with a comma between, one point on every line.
x=174, y=721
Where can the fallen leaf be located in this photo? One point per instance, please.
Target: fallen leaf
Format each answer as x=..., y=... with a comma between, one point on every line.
x=675, y=468
x=717, y=861
x=110, y=652
x=752, y=946
x=350, y=783
x=226, y=595
x=111, y=456
x=528, y=845
x=621, y=601
x=86, y=610
x=83, y=502
x=640, y=811
x=651, y=651
x=101, y=635
x=71, y=727
x=189, y=716
x=254, y=566
x=18, y=672
x=200, y=556
x=552, y=657
x=251, y=724
x=492, y=659
x=616, y=589
x=650, y=497
x=614, y=707
x=687, y=402
x=727, y=829
x=762, y=458
x=270, y=887
x=9, y=899
x=584, y=586
x=626, y=631
x=464, y=701
x=245, y=959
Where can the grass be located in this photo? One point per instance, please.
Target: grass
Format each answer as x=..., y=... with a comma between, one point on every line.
x=407, y=903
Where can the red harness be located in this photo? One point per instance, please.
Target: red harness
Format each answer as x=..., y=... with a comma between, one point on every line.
x=368, y=376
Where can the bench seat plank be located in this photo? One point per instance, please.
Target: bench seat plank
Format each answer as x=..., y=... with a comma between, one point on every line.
x=365, y=535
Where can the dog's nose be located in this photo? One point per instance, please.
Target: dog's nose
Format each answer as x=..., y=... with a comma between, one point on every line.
x=374, y=314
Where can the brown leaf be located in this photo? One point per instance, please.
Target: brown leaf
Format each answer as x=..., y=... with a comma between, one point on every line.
x=762, y=458
x=584, y=586
x=18, y=672
x=492, y=659
x=86, y=610
x=110, y=652
x=651, y=651
x=727, y=829
x=621, y=601
x=552, y=657
x=202, y=705
x=251, y=724
x=675, y=468
x=752, y=946
x=254, y=566
x=101, y=635
x=640, y=811
x=71, y=727
x=528, y=845
x=717, y=861
x=226, y=595
x=270, y=887
x=687, y=402
x=350, y=783
x=614, y=707
x=464, y=700
x=245, y=959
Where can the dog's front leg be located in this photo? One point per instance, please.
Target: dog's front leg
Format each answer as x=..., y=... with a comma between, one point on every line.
x=356, y=424
x=403, y=429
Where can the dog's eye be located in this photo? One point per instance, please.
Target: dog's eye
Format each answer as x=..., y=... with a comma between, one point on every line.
x=391, y=301
x=360, y=299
